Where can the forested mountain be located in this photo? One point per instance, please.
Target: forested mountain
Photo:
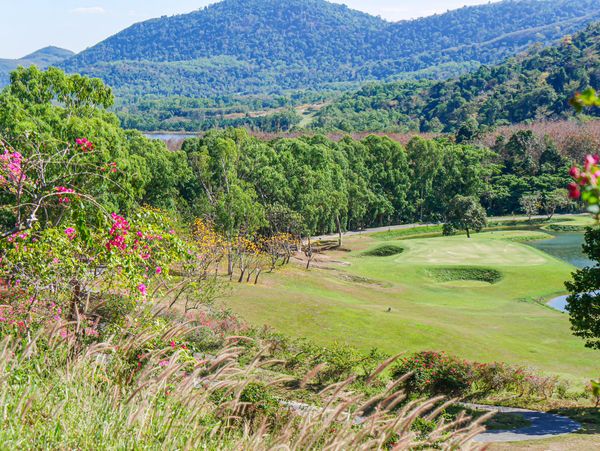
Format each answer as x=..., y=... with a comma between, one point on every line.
x=253, y=46
x=535, y=85
x=42, y=58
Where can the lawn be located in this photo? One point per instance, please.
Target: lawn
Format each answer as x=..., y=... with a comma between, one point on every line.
x=480, y=298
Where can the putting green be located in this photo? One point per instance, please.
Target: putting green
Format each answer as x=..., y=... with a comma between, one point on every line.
x=462, y=251
x=435, y=295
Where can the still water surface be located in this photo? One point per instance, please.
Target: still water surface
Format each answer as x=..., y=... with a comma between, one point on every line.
x=566, y=246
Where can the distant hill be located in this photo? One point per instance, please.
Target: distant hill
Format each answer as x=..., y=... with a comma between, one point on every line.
x=531, y=86
x=266, y=46
x=42, y=58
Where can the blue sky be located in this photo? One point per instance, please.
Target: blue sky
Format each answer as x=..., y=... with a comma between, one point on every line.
x=27, y=25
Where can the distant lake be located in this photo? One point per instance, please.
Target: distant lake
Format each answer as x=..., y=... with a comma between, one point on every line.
x=169, y=136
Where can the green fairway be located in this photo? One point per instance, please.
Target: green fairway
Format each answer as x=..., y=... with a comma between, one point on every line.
x=480, y=298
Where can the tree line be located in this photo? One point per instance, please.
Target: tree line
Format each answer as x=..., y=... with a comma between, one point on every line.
x=303, y=186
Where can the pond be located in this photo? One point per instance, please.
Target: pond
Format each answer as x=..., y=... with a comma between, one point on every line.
x=566, y=246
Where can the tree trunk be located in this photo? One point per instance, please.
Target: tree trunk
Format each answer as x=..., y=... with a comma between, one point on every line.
x=241, y=279
x=468, y=234
x=339, y=229
x=308, y=253
x=256, y=278
x=229, y=263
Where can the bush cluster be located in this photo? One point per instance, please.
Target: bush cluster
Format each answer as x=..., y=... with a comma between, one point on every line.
x=439, y=373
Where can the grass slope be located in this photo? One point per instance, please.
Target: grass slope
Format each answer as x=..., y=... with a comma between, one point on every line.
x=347, y=299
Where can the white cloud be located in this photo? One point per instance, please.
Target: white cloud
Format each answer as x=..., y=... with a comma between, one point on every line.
x=89, y=10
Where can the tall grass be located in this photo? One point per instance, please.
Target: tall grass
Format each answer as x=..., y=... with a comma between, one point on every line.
x=54, y=395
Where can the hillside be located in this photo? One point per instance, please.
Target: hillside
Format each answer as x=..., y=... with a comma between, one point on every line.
x=42, y=58
x=258, y=46
x=535, y=85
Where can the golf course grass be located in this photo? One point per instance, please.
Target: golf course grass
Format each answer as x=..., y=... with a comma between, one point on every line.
x=480, y=298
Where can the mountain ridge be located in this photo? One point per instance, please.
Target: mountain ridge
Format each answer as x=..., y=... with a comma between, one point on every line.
x=266, y=46
x=43, y=58
x=534, y=85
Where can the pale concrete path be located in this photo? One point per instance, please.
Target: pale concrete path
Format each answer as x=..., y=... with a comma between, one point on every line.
x=543, y=425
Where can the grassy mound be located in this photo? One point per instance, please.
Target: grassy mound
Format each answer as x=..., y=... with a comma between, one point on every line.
x=384, y=251
x=466, y=274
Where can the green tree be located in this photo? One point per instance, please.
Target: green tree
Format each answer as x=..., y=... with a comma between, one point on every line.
x=553, y=200
x=425, y=162
x=464, y=213
x=583, y=304
x=531, y=204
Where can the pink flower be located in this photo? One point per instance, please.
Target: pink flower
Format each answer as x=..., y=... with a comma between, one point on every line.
x=143, y=289
x=575, y=172
x=118, y=232
x=63, y=190
x=84, y=144
x=591, y=160
x=70, y=232
x=10, y=167
x=574, y=191
x=158, y=270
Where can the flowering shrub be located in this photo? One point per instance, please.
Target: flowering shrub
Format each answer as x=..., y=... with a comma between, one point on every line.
x=436, y=372
x=11, y=171
x=47, y=179
x=61, y=274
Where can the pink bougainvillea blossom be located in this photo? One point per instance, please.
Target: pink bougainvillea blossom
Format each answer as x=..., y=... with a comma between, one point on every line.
x=143, y=289
x=62, y=191
x=70, y=232
x=84, y=144
x=11, y=171
x=118, y=233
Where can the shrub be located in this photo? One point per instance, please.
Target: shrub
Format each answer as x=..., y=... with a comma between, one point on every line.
x=436, y=373
x=259, y=399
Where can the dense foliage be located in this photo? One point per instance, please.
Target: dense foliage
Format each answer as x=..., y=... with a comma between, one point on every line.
x=583, y=304
x=318, y=185
x=536, y=85
x=246, y=46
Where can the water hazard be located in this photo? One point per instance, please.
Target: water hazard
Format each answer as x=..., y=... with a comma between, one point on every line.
x=567, y=247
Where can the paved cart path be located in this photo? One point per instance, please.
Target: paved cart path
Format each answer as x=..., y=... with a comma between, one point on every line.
x=543, y=425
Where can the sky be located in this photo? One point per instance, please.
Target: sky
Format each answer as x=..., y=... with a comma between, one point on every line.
x=28, y=25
